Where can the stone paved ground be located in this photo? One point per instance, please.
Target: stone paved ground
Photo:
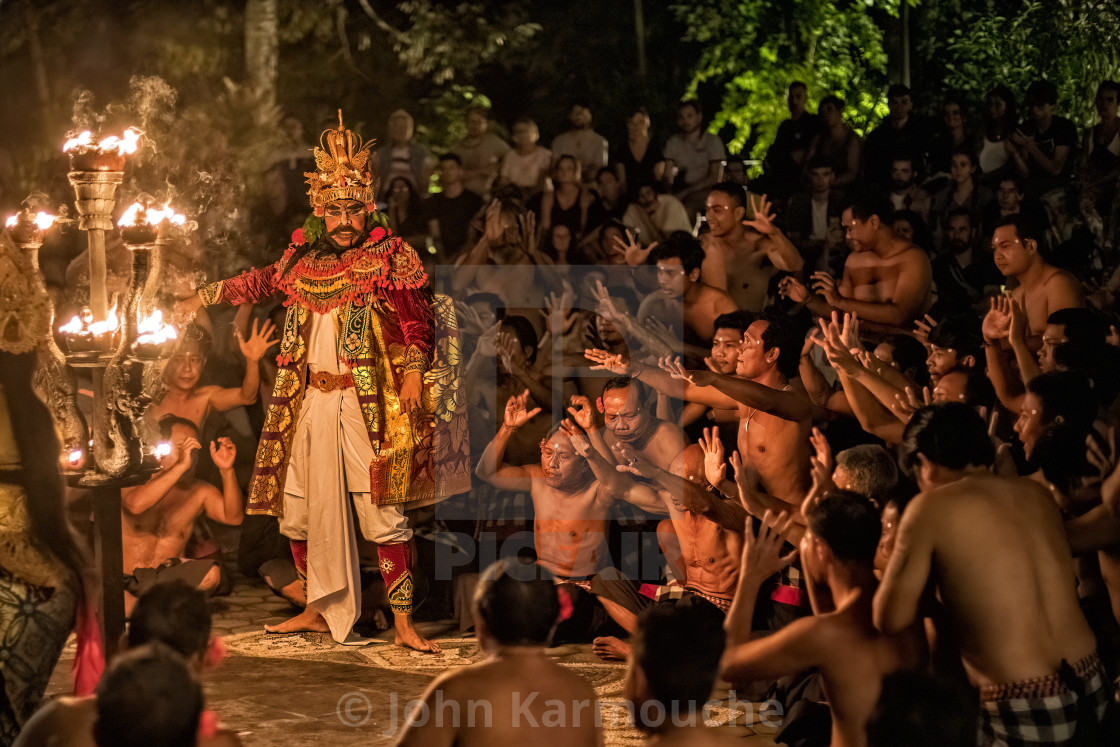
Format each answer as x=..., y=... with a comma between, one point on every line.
x=281, y=691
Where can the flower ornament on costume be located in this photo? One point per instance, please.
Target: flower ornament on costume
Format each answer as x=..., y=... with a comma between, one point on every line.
x=342, y=170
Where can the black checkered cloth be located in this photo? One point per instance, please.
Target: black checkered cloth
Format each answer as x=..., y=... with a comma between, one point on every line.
x=1047, y=710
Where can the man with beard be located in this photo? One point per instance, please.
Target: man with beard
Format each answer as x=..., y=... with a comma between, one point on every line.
x=966, y=274
x=653, y=216
x=905, y=193
x=581, y=142
x=692, y=157
x=684, y=302
x=887, y=280
x=344, y=432
x=740, y=255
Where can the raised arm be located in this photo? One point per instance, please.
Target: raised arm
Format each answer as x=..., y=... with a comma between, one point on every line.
x=490, y=467
x=788, y=405
x=227, y=506
x=781, y=251
x=137, y=500
x=695, y=498
x=253, y=348
x=617, y=484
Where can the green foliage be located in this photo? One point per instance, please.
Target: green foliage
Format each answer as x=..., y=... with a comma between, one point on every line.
x=755, y=48
x=1073, y=43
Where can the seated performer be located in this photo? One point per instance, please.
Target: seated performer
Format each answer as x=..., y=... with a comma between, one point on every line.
x=158, y=516
x=345, y=428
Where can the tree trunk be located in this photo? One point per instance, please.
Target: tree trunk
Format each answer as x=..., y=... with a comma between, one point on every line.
x=262, y=50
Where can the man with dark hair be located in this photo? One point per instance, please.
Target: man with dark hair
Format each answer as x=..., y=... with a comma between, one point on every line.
x=741, y=255
x=685, y=301
x=1041, y=288
x=158, y=516
x=692, y=157
x=837, y=554
x=786, y=156
x=995, y=551
x=905, y=192
x=654, y=215
x=480, y=152
x=581, y=142
x=1041, y=150
x=966, y=273
x=672, y=669
x=507, y=698
x=812, y=219
x=451, y=210
x=148, y=697
x=887, y=281
x=725, y=359
x=902, y=132
x=954, y=344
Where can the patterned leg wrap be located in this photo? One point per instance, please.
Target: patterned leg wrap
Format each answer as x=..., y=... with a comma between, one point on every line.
x=299, y=557
x=395, y=561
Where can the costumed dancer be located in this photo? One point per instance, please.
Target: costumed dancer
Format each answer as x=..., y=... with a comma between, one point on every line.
x=366, y=407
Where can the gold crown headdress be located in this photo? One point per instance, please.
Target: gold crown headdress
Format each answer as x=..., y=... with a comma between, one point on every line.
x=341, y=169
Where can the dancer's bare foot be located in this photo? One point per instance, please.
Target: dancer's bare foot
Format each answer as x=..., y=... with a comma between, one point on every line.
x=409, y=638
x=308, y=621
x=610, y=648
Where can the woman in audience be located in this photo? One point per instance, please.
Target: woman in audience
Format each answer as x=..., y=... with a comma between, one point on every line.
x=994, y=136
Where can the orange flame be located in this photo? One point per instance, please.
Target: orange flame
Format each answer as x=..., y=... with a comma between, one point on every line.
x=124, y=145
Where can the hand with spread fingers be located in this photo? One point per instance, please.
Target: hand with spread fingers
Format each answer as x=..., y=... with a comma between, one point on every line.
x=762, y=552
x=715, y=468
x=516, y=415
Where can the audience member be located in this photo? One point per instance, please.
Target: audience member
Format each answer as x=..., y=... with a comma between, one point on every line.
x=581, y=142
x=812, y=219
x=786, y=158
x=993, y=139
x=406, y=211
x=905, y=193
x=451, y=210
x=653, y=216
x=480, y=152
x=528, y=164
x=962, y=191
x=1009, y=198
x=966, y=273
x=903, y=133
x=401, y=156
x=1043, y=147
x=692, y=157
x=953, y=136
x=565, y=199
x=148, y=697
x=1100, y=160
x=685, y=300
x=639, y=160
x=510, y=696
x=837, y=142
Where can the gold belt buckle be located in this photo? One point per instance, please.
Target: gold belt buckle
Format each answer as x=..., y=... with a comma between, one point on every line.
x=322, y=381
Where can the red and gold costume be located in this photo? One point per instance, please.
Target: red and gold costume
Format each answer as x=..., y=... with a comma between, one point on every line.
x=358, y=321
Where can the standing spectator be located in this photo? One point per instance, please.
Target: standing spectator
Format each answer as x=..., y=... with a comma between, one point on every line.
x=588, y=147
x=451, y=210
x=903, y=132
x=639, y=159
x=993, y=138
x=786, y=158
x=952, y=136
x=527, y=165
x=963, y=191
x=481, y=152
x=837, y=142
x=905, y=193
x=403, y=156
x=692, y=158
x=1043, y=147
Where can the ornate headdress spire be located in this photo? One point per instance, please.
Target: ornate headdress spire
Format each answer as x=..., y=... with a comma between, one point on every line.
x=342, y=169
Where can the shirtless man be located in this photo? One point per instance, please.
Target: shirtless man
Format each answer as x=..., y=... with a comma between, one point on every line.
x=838, y=639
x=741, y=256
x=1042, y=288
x=996, y=552
x=887, y=281
x=628, y=422
x=707, y=531
x=775, y=419
x=515, y=608
x=725, y=358
x=158, y=516
x=684, y=301
x=672, y=669
x=187, y=400
x=571, y=509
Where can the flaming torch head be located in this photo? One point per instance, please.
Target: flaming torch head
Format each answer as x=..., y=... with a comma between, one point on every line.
x=143, y=224
x=26, y=229
x=89, y=152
